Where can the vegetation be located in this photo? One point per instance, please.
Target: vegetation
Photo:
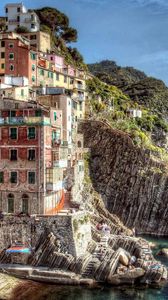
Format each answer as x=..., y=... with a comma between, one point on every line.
x=109, y=103
x=21, y=29
x=146, y=91
x=62, y=34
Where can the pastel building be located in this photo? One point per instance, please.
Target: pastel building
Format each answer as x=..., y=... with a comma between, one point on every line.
x=17, y=15
x=31, y=177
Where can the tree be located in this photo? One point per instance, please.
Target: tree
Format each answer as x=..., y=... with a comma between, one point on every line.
x=58, y=22
x=21, y=29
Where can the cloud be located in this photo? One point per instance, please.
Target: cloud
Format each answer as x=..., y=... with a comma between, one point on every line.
x=98, y=2
x=162, y=3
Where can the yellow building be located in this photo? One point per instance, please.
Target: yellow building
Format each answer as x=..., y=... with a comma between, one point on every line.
x=39, y=40
x=18, y=93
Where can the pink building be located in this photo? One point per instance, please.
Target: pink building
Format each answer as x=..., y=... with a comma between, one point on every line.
x=58, y=61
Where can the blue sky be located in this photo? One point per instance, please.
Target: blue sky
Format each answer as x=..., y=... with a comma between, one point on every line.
x=131, y=32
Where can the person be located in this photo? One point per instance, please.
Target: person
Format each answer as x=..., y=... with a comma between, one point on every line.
x=132, y=260
x=105, y=228
x=100, y=225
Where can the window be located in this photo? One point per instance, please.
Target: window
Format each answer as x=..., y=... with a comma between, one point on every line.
x=38, y=113
x=65, y=79
x=31, y=177
x=57, y=76
x=32, y=26
x=31, y=133
x=13, y=155
x=33, y=78
x=6, y=27
x=1, y=177
x=11, y=67
x=11, y=45
x=11, y=56
x=33, y=37
x=42, y=72
x=18, y=18
x=18, y=9
x=16, y=105
x=50, y=74
x=6, y=10
x=33, y=56
x=10, y=203
x=71, y=81
x=80, y=106
x=25, y=201
x=55, y=116
x=31, y=154
x=2, y=54
x=13, y=133
x=79, y=144
x=2, y=66
x=13, y=178
x=22, y=92
x=13, y=113
x=33, y=67
x=3, y=44
x=80, y=168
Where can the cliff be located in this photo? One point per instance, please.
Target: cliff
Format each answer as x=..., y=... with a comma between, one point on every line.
x=133, y=185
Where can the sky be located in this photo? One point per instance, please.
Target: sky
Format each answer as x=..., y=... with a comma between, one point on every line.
x=130, y=32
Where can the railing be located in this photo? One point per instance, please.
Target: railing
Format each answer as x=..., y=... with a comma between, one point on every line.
x=30, y=20
x=25, y=120
x=79, y=86
x=62, y=163
x=13, y=21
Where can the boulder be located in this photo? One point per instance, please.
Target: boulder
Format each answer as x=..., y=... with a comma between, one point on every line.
x=128, y=277
x=163, y=252
x=124, y=257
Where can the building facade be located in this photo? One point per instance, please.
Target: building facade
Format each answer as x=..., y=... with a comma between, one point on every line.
x=17, y=15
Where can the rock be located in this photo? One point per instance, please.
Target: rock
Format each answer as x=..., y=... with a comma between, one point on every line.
x=128, y=277
x=152, y=245
x=131, y=183
x=163, y=252
x=123, y=258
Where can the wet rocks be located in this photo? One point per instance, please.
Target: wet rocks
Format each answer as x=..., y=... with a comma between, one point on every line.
x=163, y=252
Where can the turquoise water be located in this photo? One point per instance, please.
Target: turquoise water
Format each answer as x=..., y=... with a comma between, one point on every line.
x=121, y=293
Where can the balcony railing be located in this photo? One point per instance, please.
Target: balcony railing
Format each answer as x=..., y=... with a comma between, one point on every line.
x=25, y=120
x=13, y=21
x=79, y=86
x=62, y=163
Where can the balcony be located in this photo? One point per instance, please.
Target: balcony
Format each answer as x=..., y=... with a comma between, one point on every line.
x=50, y=186
x=62, y=163
x=13, y=21
x=25, y=120
x=79, y=86
x=30, y=20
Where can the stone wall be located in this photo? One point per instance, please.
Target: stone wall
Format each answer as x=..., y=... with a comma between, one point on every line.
x=73, y=230
x=132, y=184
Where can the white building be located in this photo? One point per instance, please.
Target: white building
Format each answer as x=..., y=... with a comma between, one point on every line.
x=17, y=15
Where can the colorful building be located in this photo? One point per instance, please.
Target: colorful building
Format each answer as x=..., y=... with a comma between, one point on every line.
x=17, y=15
x=27, y=136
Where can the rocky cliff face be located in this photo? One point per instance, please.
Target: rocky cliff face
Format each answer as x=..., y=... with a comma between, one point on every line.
x=132, y=184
